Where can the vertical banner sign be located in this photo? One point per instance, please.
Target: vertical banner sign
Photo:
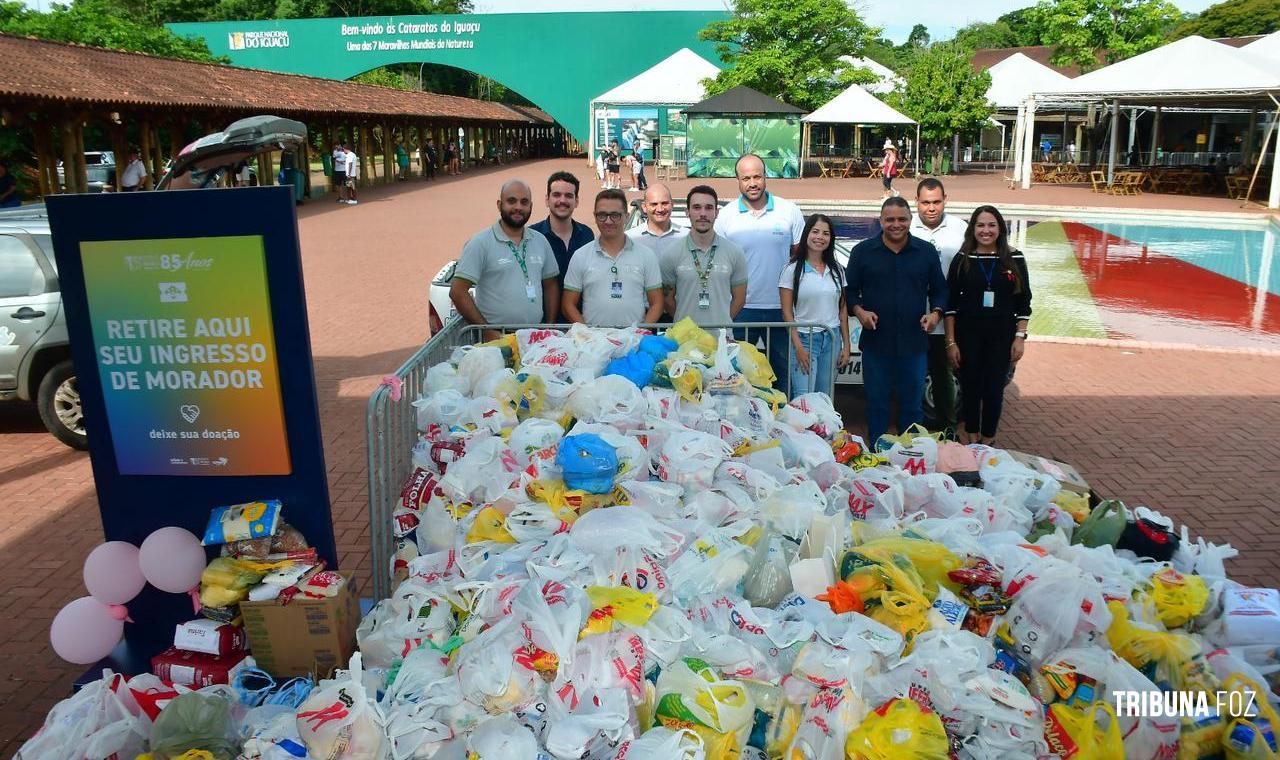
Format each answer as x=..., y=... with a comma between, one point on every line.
x=186, y=355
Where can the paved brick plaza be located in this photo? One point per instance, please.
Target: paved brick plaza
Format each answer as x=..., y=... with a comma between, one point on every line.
x=1193, y=433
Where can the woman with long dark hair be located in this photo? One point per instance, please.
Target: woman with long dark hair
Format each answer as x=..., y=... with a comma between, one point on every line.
x=987, y=321
x=812, y=290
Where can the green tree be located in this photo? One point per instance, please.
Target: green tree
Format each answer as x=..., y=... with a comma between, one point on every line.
x=984, y=34
x=790, y=49
x=1233, y=18
x=1028, y=26
x=385, y=77
x=944, y=93
x=1083, y=30
x=919, y=36
x=101, y=23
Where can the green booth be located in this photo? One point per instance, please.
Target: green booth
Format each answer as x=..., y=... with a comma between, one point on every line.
x=740, y=121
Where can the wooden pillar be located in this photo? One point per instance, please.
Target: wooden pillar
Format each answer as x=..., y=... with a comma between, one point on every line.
x=304, y=166
x=264, y=170
x=68, y=157
x=157, y=156
x=120, y=147
x=46, y=157
x=389, y=166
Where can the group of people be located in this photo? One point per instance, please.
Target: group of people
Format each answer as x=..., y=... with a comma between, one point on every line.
x=346, y=173
x=609, y=163
x=934, y=296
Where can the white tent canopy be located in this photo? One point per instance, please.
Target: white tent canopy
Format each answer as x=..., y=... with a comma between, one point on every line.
x=887, y=80
x=1190, y=72
x=857, y=106
x=675, y=80
x=1018, y=76
x=1267, y=47
x=1192, y=67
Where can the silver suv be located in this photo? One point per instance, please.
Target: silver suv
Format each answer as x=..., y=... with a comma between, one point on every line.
x=35, y=357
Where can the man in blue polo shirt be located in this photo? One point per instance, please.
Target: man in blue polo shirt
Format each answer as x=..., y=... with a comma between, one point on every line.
x=896, y=289
x=562, y=231
x=767, y=229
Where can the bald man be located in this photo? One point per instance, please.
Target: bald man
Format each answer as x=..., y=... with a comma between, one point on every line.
x=511, y=267
x=659, y=234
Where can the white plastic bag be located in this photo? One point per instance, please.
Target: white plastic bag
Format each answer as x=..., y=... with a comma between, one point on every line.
x=94, y=723
x=918, y=458
x=485, y=472
x=813, y=412
x=413, y=616
x=690, y=459
x=660, y=743
x=610, y=400
x=477, y=361
x=444, y=377
x=1053, y=602
x=533, y=435
x=443, y=408
x=339, y=720
x=503, y=738
x=605, y=530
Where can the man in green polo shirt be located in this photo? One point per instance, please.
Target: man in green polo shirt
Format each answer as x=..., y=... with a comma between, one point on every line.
x=511, y=267
x=705, y=274
x=612, y=281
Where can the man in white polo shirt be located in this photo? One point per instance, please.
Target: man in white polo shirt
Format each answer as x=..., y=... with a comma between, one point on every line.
x=945, y=232
x=511, y=266
x=613, y=281
x=658, y=233
x=768, y=229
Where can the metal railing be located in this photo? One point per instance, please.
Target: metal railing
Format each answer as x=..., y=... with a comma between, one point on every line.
x=392, y=424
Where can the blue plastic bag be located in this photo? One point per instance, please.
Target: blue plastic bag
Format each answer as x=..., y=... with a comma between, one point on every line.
x=657, y=346
x=636, y=366
x=588, y=463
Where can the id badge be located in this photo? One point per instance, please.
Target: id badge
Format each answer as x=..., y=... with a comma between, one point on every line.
x=704, y=300
x=989, y=299
x=531, y=291
x=615, y=290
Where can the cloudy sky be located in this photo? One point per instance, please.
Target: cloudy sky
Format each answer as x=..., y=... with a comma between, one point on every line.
x=942, y=17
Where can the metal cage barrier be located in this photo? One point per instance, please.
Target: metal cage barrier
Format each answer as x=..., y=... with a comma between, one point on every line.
x=392, y=425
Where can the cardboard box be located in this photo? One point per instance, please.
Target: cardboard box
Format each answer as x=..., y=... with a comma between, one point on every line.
x=195, y=669
x=304, y=636
x=1062, y=472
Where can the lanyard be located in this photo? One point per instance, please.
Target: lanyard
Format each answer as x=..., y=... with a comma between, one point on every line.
x=703, y=274
x=519, y=255
x=988, y=273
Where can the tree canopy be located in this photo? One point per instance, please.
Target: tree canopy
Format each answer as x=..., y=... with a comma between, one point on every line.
x=1233, y=18
x=944, y=93
x=102, y=23
x=1083, y=31
x=793, y=50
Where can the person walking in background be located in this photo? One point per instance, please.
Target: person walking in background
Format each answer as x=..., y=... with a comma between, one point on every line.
x=898, y=293
x=986, y=322
x=889, y=169
x=612, y=175
x=704, y=274
x=353, y=176
x=612, y=281
x=630, y=161
x=564, y=233
x=428, y=158
x=135, y=175
x=944, y=232
x=452, y=163
x=638, y=153
x=768, y=229
x=1046, y=149
x=811, y=289
x=510, y=265
x=339, y=171
x=402, y=160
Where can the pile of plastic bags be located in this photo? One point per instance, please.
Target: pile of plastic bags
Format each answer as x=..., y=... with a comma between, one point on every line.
x=619, y=545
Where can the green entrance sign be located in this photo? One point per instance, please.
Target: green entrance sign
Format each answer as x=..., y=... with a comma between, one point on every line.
x=559, y=61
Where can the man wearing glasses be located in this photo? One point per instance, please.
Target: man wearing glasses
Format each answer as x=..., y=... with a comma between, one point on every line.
x=612, y=281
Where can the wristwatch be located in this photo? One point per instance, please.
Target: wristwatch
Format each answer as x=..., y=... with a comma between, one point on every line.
x=1022, y=335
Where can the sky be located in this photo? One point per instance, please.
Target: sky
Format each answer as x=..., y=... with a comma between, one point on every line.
x=942, y=17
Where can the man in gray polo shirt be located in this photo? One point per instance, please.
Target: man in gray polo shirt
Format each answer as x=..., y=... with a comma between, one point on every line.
x=613, y=281
x=706, y=276
x=511, y=266
x=658, y=233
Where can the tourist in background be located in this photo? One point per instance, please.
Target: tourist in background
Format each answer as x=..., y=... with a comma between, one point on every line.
x=986, y=323
x=889, y=169
x=811, y=289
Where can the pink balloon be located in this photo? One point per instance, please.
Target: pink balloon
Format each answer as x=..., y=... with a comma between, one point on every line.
x=85, y=631
x=112, y=574
x=172, y=560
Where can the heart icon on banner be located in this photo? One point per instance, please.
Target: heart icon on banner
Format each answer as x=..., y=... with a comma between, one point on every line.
x=189, y=412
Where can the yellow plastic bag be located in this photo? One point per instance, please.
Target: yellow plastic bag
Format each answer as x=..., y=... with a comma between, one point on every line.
x=1073, y=732
x=1164, y=657
x=227, y=581
x=908, y=436
x=688, y=336
x=1178, y=597
x=490, y=525
x=1251, y=733
x=754, y=365
x=559, y=497
x=510, y=348
x=930, y=559
x=691, y=695
x=620, y=603
x=524, y=393
x=899, y=730
x=775, y=398
x=1074, y=504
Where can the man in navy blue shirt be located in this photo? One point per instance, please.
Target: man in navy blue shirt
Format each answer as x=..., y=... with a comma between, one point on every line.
x=897, y=291
x=562, y=231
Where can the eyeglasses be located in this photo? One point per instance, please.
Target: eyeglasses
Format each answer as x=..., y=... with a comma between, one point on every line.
x=608, y=216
